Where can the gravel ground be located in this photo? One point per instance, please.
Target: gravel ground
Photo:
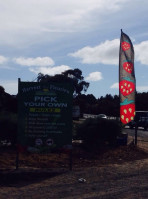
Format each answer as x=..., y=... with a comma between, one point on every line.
x=128, y=181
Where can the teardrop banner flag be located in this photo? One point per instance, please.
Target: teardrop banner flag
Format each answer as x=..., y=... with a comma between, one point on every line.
x=127, y=82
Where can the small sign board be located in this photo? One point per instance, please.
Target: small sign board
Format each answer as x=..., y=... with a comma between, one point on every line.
x=44, y=115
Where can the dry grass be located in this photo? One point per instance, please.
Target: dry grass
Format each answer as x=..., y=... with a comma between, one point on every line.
x=80, y=157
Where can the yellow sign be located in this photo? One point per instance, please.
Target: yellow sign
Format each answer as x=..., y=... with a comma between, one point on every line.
x=46, y=110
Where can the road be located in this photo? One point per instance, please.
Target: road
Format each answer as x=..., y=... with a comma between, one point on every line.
x=141, y=134
x=142, y=137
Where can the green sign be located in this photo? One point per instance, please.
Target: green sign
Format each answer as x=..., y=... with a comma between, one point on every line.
x=44, y=116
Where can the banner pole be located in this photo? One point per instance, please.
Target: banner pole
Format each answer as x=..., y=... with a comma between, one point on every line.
x=17, y=159
x=136, y=128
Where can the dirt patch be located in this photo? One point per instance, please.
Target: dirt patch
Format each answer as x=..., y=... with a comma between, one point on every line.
x=128, y=180
x=109, y=173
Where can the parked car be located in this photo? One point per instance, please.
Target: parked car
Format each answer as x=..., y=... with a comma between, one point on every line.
x=102, y=116
x=141, y=118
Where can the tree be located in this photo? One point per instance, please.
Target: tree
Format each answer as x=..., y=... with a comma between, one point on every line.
x=7, y=101
x=2, y=90
x=91, y=99
x=73, y=76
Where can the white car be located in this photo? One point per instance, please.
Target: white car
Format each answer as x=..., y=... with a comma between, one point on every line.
x=102, y=116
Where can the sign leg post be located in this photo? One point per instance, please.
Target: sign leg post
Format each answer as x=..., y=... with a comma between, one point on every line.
x=17, y=159
x=70, y=160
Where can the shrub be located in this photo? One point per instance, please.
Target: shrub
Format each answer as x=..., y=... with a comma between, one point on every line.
x=98, y=132
x=8, y=127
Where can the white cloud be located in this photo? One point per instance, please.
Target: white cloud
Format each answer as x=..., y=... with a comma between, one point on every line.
x=29, y=20
x=142, y=88
x=105, y=53
x=50, y=70
x=10, y=86
x=3, y=59
x=38, y=61
x=41, y=65
x=108, y=53
x=141, y=52
x=94, y=76
x=115, y=85
x=7, y=67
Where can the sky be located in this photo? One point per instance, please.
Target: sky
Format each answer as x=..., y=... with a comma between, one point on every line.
x=49, y=37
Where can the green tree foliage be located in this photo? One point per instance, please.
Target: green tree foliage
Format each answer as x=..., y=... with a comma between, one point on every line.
x=72, y=76
x=109, y=105
x=142, y=101
x=86, y=102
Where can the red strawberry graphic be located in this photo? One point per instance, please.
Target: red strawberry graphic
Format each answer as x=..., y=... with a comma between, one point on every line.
x=125, y=45
x=127, y=111
x=126, y=86
x=128, y=66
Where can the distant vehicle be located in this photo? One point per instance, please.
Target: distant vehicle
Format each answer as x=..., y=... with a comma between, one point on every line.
x=141, y=118
x=102, y=116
